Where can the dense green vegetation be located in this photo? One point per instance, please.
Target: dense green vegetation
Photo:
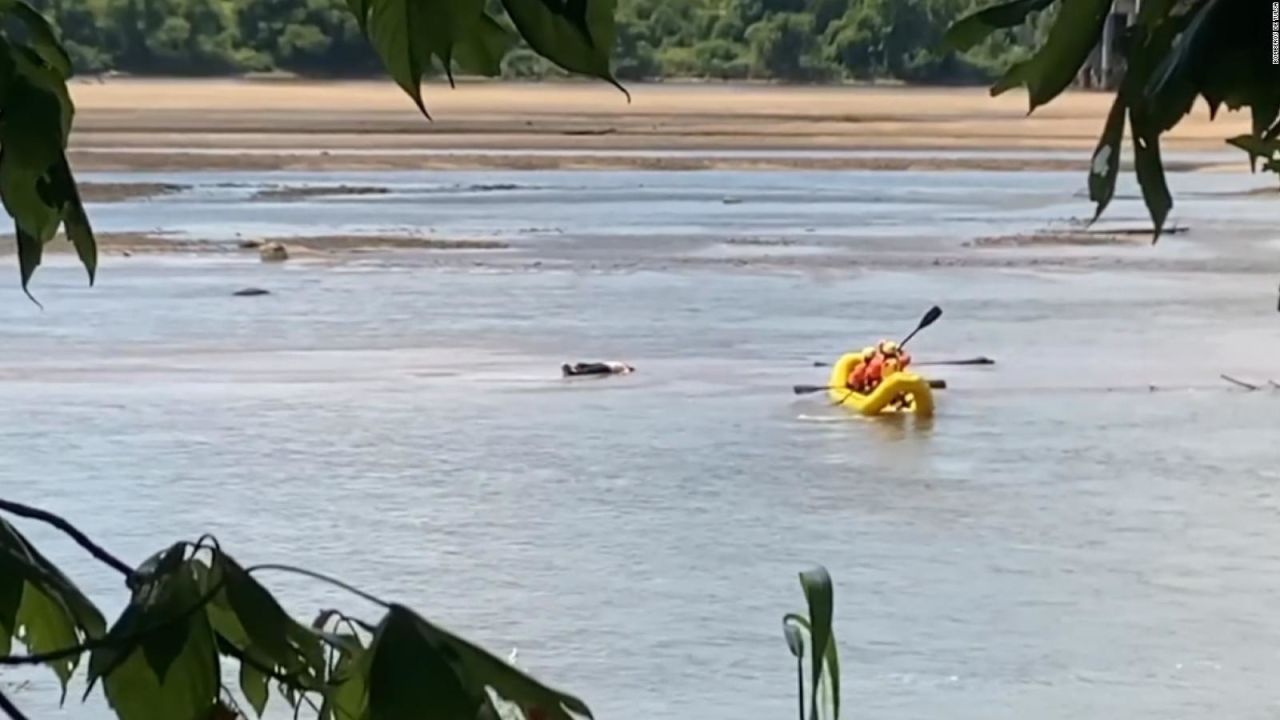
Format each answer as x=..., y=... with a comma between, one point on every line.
x=790, y=40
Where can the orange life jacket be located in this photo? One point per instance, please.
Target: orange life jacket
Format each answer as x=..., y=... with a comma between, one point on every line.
x=857, y=376
x=875, y=370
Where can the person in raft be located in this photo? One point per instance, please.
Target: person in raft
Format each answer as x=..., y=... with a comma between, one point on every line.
x=609, y=367
x=877, y=363
x=857, y=380
x=895, y=359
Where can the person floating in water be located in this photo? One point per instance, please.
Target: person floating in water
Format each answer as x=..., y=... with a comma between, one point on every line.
x=609, y=367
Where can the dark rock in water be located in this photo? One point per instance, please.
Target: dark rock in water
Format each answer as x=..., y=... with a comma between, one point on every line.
x=251, y=292
x=250, y=244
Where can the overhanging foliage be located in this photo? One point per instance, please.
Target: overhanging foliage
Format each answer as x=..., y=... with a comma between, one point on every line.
x=36, y=184
x=1218, y=50
x=193, y=610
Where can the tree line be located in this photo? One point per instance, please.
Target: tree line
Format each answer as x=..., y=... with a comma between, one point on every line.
x=782, y=40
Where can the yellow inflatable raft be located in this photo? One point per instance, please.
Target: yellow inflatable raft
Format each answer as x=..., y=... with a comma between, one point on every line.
x=900, y=392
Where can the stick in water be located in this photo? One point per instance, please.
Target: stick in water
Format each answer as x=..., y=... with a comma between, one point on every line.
x=1241, y=383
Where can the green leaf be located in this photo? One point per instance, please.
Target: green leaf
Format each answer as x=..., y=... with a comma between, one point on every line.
x=795, y=641
x=43, y=39
x=25, y=561
x=1257, y=147
x=397, y=31
x=347, y=695
x=481, y=51
x=188, y=693
x=360, y=8
x=39, y=606
x=254, y=686
x=1183, y=49
x=8, y=66
x=149, y=681
x=411, y=677
x=35, y=222
x=577, y=35
x=75, y=220
x=1105, y=165
x=264, y=621
x=141, y=612
x=1150, y=171
x=508, y=682
x=162, y=648
x=29, y=130
x=36, y=186
x=1074, y=34
x=105, y=660
x=44, y=626
x=30, y=252
x=819, y=594
x=11, y=587
x=975, y=27
x=1163, y=102
x=410, y=34
x=250, y=618
x=30, y=68
x=798, y=625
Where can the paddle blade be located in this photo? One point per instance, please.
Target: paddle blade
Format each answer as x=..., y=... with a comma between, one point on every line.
x=930, y=317
x=807, y=389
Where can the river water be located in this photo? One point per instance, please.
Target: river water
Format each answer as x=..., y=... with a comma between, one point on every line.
x=1060, y=542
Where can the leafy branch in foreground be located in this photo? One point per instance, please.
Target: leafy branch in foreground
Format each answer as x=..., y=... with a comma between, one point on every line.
x=192, y=608
x=36, y=185
x=411, y=35
x=1176, y=51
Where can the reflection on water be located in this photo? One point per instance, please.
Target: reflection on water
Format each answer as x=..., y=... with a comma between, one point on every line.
x=1043, y=548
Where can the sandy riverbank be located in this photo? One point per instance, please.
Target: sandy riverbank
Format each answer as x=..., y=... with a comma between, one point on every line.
x=1058, y=250
x=233, y=124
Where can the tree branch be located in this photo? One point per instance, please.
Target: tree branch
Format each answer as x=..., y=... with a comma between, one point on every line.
x=10, y=709
x=74, y=533
x=323, y=578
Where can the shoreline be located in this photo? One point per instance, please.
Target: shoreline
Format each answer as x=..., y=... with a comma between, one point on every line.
x=358, y=125
x=1118, y=250
x=148, y=160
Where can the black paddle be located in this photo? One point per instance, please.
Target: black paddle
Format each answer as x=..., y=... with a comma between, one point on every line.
x=929, y=318
x=809, y=389
x=980, y=360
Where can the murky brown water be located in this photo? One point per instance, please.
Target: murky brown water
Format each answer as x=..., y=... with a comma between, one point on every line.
x=1059, y=542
